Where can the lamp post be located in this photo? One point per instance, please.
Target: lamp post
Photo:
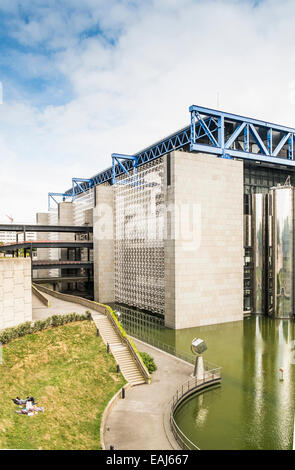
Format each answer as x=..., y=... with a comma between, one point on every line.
x=198, y=346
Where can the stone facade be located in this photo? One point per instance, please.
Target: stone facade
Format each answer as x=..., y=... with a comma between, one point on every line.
x=204, y=246
x=103, y=244
x=15, y=291
x=65, y=217
x=42, y=218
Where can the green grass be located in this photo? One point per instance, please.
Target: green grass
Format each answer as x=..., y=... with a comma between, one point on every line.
x=68, y=371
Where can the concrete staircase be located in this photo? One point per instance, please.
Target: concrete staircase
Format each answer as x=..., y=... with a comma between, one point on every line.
x=120, y=351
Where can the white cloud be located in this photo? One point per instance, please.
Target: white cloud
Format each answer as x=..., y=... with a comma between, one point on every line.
x=166, y=56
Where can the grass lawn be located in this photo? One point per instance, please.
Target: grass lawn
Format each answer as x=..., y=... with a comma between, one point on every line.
x=68, y=371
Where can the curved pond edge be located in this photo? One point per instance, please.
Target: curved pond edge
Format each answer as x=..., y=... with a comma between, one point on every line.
x=175, y=435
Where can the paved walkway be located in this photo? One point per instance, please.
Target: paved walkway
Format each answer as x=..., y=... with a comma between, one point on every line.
x=137, y=421
x=57, y=307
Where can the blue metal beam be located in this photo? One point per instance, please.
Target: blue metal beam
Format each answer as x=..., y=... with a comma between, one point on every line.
x=257, y=157
x=291, y=147
x=206, y=129
x=235, y=135
x=238, y=118
x=207, y=125
x=173, y=142
x=258, y=140
x=79, y=186
x=52, y=196
x=246, y=139
x=117, y=165
x=261, y=134
x=281, y=144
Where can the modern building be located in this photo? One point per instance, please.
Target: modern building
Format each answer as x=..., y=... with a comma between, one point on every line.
x=197, y=228
x=12, y=237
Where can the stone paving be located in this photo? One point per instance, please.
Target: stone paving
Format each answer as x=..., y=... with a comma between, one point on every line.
x=137, y=422
x=57, y=307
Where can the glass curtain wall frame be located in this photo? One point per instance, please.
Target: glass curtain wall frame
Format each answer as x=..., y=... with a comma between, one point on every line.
x=258, y=220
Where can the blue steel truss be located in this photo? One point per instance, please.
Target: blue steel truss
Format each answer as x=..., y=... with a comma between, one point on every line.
x=122, y=166
x=211, y=131
x=80, y=185
x=52, y=197
x=172, y=142
x=242, y=137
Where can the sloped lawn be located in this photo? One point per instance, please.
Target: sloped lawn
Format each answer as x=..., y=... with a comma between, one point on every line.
x=68, y=371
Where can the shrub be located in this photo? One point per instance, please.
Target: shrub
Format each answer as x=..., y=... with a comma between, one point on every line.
x=39, y=325
x=26, y=328
x=149, y=362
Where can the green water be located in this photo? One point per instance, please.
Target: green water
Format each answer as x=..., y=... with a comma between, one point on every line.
x=252, y=409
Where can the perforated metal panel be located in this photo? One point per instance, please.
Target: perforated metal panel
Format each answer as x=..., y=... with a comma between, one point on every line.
x=139, y=238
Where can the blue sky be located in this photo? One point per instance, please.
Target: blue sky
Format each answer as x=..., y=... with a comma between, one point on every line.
x=84, y=79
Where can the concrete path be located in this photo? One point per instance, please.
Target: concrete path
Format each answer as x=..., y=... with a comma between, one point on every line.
x=137, y=422
x=57, y=307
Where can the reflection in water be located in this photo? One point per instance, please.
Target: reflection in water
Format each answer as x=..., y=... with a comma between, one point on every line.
x=252, y=409
x=202, y=412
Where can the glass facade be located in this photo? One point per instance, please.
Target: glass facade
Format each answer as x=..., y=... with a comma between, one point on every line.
x=283, y=252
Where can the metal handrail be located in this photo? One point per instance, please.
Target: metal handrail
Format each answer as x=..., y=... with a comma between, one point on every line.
x=210, y=377
x=125, y=340
x=171, y=350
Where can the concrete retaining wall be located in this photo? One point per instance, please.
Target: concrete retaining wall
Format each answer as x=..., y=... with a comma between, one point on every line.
x=40, y=296
x=107, y=411
x=15, y=291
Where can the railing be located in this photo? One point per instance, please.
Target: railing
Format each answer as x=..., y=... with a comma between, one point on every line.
x=190, y=358
x=210, y=377
x=101, y=308
x=142, y=367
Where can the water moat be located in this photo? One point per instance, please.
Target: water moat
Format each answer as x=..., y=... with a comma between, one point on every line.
x=253, y=408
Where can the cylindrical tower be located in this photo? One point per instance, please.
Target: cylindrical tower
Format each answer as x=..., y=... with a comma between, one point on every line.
x=281, y=262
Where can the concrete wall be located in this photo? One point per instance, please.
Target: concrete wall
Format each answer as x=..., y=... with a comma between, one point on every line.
x=103, y=244
x=42, y=218
x=204, y=246
x=15, y=291
x=65, y=217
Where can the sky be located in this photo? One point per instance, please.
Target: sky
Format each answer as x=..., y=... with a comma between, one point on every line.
x=81, y=80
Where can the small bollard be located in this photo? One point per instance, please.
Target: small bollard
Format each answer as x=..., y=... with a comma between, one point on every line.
x=123, y=392
x=97, y=332
x=108, y=348
x=282, y=374
x=112, y=448
x=118, y=368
